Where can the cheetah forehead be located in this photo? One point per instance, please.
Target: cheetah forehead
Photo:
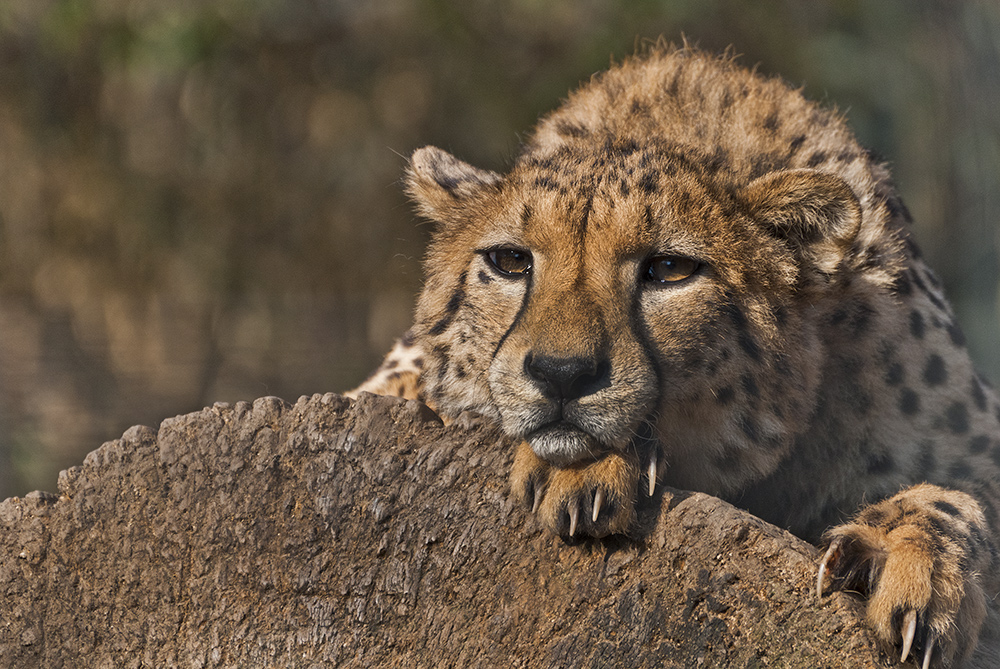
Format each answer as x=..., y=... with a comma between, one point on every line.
x=669, y=141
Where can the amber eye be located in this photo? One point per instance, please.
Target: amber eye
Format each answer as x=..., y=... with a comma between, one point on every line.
x=669, y=269
x=510, y=262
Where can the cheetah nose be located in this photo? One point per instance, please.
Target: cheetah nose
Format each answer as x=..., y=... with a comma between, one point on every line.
x=567, y=379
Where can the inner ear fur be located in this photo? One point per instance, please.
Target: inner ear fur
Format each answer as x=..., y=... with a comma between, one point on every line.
x=817, y=213
x=440, y=183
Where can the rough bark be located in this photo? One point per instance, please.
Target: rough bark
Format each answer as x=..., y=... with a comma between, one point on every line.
x=332, y=533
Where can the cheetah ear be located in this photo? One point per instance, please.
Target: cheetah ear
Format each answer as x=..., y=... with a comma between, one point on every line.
x=439, y=182
x=817, y=213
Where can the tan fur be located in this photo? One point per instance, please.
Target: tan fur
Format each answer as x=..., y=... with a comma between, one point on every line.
x=801, y=361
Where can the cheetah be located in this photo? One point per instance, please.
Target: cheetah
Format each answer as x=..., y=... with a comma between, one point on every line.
x=692, y=276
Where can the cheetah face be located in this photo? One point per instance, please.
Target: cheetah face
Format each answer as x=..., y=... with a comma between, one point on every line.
x=586, y=299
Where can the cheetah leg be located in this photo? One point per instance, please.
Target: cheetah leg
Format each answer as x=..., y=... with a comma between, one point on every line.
x=917, y=556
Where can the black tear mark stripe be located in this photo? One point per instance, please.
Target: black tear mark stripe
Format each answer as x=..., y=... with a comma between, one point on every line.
x=641, y=332
x=528, y=284
x=450, y=309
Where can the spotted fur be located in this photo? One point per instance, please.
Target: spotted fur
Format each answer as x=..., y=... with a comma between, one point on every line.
x=801, y=361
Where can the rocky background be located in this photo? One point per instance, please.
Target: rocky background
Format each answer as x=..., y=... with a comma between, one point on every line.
x=199, y=199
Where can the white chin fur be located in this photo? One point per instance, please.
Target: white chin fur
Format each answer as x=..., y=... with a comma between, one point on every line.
x=562, y=445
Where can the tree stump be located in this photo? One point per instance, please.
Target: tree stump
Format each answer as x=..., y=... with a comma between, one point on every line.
x=340, y=533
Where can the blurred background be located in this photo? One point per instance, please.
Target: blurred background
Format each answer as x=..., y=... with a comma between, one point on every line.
x=200, y=200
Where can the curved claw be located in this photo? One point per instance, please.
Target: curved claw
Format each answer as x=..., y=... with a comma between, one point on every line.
x=574, y=516
x=827, y=558
x=927, y=654
x=598, y=501
x=909, y=630
x=539, y=493
x=652, y=474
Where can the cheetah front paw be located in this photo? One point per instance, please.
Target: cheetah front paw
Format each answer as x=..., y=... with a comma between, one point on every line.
x=916, y=556
x=595, y=499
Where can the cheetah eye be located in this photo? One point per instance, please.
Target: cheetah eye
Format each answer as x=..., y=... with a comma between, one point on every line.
x=669, y=269
x=510, y=262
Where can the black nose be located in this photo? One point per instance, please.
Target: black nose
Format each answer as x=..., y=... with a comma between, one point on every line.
x=568, y=379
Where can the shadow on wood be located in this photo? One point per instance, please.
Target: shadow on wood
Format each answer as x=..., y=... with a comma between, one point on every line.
x=367, y=534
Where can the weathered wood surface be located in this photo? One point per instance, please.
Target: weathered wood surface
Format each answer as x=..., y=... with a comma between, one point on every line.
x=332, y=533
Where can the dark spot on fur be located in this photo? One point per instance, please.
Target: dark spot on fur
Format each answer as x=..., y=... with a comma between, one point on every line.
x=903, y=286
x=945, y=507
x=649, y=182
x=771, y=122
x=937, y=302
x=484, y=277
x=935, y=372
x=675, y=82
x=861, y=318
x=567, y=129
x=391, y=364
x=796, y=144
x=979, y=444
x=545, y=183
x=781, y=316
x=957, y=417
x=816, y=159
x=725, y=395
x=718, y=160
x=750, y=346
x=750, y=386
x=895, y=374
x=623, y=148
x=407, y=339
x=917, y=326
x=909, y=402
x=623, y=188
x=880, y=463
x=418, y=363
x=960, y=470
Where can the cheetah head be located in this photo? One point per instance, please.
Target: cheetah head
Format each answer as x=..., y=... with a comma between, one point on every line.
x=593, y=298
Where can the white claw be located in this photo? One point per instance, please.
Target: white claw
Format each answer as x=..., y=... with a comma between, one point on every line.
x=538, y=499
x=598, y=501
x=822, y=569
x=652, y=475
x=574, y=515
x=927, y=654
x=909, y=630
